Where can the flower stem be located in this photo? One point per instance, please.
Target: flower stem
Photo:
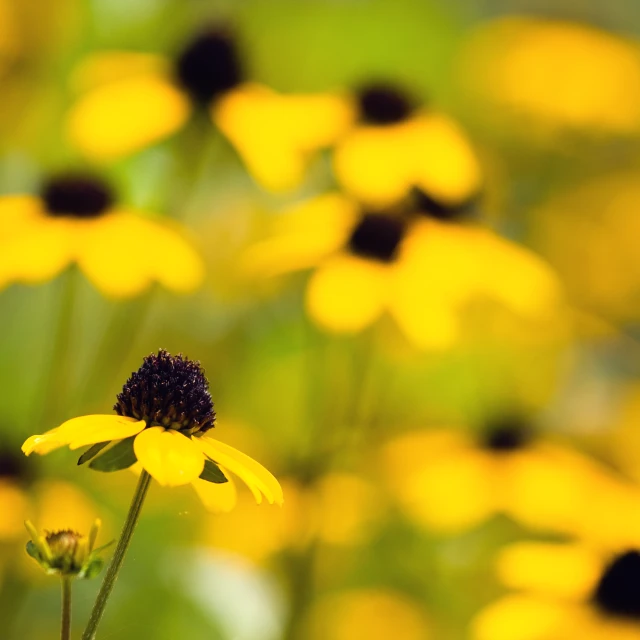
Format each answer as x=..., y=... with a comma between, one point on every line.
x=118, y=556
x=65, y=630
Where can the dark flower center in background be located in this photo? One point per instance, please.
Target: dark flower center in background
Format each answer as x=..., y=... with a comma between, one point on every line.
x=209, y=66
x=383, y=104
x=377, y=236
x=428, y=206
x=170, y=391
x=76, y=196
x=618, y=591
x=12, y=466
x=507, y=435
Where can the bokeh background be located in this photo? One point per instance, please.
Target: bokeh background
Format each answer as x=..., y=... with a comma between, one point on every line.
x=469, y=476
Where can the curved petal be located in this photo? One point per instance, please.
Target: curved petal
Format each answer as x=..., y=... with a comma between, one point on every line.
x=114, y=257
x=82, y=431
x=275, y=134
x=518, y=617
x=568, y=571
x=252, y=473
x=347, y=294
x=34, y=248
x=169, y=456
x=301, y=237
x=120, y=118
x=219, y=498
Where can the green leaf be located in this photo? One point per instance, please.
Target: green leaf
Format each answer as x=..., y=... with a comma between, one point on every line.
x=120, y=456
x=93, y=568
x=212, y=473
x=92, y=452
x=33, y=551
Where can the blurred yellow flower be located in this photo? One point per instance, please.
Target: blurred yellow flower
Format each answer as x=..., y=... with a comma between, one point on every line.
x=164, y=415
x=588, y=234
x=422, y=268
x=564, y=591
x=449, y=481
x=394, y=147
x=75, y=220
x=374, y=614
x=133, y=100
x=549, y=75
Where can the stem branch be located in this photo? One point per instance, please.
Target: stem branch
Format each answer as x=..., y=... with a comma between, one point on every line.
x=118, y=556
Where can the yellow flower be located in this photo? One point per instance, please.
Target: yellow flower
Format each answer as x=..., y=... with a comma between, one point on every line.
x=395, y=147
x=564, y=591
x=551, y=75
x=165, y=414
x=133, y=100
x=449, y=481
x=422, y=268
x=75, y=220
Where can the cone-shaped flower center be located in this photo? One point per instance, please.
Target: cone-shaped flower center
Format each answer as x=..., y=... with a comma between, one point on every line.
x=76, y=196
x=209, y=66
x=63, y=543
x=377, y=236
x=507, y=435
x=618, y=591
x=426, y=205
x=169, y=391
x=383, y=104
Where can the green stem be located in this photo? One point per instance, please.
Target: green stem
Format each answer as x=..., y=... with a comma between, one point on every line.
x=118, y=556
x=65, y=630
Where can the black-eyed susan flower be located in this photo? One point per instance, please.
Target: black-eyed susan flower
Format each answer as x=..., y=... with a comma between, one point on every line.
x=564, y=591
x=545, y=76
x=395, y=145
x=450, y=481
x=163, y=420
x=76, y=220
x=66, y=552
x=421, y=266
x=134, y=100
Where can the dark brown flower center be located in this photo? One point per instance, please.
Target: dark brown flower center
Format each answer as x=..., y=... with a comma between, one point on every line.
x=377, y=236
x=76, y=197
x=618, y=592
x=430, y=207
x=383, y=104
x=506, y=435
x=209, y=66
x=169, y=391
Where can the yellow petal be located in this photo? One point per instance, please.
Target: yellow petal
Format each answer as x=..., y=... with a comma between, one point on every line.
x=114, y=256
x=559, y=570
x=252, y=473
x=120, y=118
x=276, y=134
x=347, y=294
x=218, y=498
x=303, y=236
x=170, y=457
x=520, y=618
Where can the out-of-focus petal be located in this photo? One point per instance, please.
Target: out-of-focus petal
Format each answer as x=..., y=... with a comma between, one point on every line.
x=259, y=480
x=218, y=498
x=347, y=294
x=169, y=456
x=120, y=118
x=114, y=256
x=275, y=134
x=303, y=236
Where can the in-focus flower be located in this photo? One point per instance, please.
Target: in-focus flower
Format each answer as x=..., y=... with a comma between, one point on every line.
x=395, y=146
x=75, y=220
x=545, y=76
x=66, y=552
x=564, y=591
x=450, y=481
x=421, y=266
x=134, y=100
x=164, y=416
